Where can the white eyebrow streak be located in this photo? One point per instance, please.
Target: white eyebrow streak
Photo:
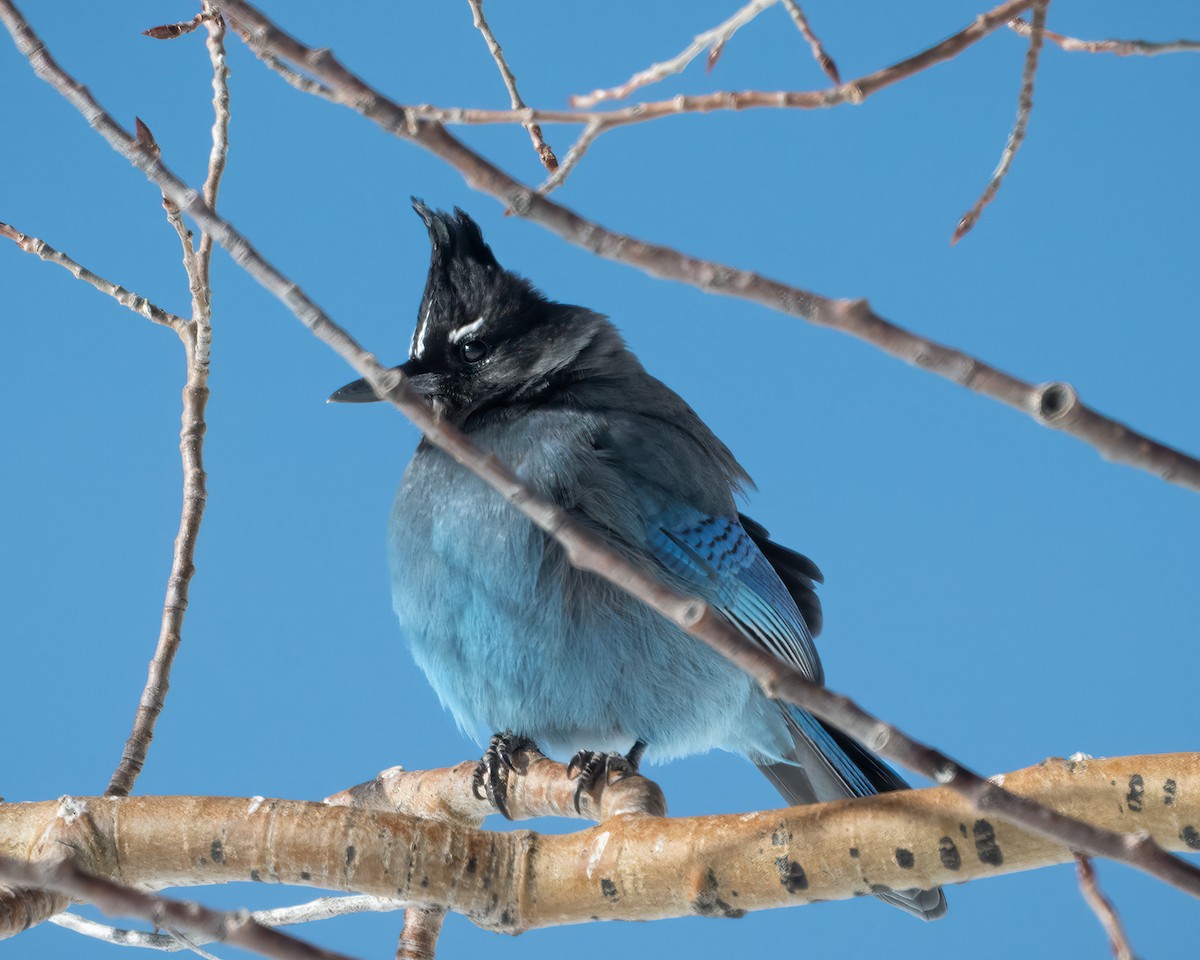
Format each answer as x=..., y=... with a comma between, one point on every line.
x=417, y=348
x=466, y=330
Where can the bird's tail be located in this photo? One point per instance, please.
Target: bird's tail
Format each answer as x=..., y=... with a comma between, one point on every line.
x=828, y=765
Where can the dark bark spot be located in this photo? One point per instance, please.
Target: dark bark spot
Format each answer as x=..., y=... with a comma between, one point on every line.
x=709, y=904
x=217, y=851
x=963, y=828
x=1169, y=789
x=791, y=875
x=305, y=875
x=985, y=844
x=854, y=853
x=506, y=918
x=350, y=854
x=1136, y=794
x=257, y=877
x=905, y=858
x=471, y=865
x=424, y=881
x=1191, y=836
x=949, y=854
x=609, y=889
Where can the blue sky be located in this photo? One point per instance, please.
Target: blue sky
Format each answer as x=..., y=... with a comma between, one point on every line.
x=992, y=587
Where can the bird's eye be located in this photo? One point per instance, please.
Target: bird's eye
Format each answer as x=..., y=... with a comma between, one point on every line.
x=473, y=351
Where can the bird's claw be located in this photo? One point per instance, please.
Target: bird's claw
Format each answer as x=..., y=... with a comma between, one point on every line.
x=590, y=768
x=490, y=780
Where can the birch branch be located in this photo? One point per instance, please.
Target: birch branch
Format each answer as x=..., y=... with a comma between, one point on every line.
x=1053, y=404
x=630, y=867
x=583, y=548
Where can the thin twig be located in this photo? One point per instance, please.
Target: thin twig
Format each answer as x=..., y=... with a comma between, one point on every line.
x=574, y=155
x=220, y=129
x=1053, y=404
x=1103, y=909
x=545, y=154
x=1017, y=136
x=323, y=908
x=713, y=40
x=585, y=549
x=293, y=78
x=126, y=298
x=818, y=50
x=1121, y=48
x=210, y=926
x=197, y=342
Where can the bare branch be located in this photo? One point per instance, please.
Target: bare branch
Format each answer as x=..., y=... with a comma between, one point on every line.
x=1017, y=136
x=238, y=929
x=220, y=131
x=323, y=908
x=1121, y=48
x=197, y=342
x=585, y=550
x=138, y=304
x=574, y=155
x=545, y=154
x=1103, y=909
x=818, y=50
x=1053, y=404
x=628, y=867
x=713, y=40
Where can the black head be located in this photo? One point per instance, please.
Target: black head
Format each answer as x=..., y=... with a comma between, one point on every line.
x=485, y=338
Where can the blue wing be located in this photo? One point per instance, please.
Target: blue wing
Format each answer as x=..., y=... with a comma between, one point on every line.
x=722, y=562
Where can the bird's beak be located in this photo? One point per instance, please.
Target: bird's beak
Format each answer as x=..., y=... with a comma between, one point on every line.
x=360, y=391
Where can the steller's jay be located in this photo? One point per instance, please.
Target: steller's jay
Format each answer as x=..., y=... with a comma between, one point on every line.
x=513, y=638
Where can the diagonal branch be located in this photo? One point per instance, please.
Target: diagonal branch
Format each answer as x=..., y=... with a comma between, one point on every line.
x=713, y=40
x=1103, y=908
x=796, y=12
x=1053, y=404
x=238, y=929
x=139, y=305
x=584, y=549
x=1017, y=136
x=545, y=154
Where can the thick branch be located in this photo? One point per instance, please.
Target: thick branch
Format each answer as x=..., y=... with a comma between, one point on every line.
x=629, y=867
x=585, y=550
x=1052, y=404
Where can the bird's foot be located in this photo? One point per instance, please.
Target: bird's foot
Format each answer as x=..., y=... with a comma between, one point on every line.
x=490, y=781
x=590, y=767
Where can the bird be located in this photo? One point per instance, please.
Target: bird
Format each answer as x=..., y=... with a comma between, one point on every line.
x=518, y=643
